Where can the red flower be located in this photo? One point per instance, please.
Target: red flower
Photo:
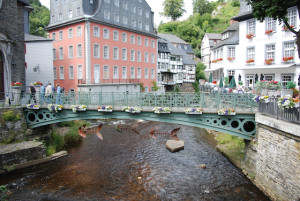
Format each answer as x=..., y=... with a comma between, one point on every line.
x=214, y=82
x=249, y=36
x=269, y=31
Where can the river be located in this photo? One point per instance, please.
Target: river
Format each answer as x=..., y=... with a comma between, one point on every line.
x=130, y=166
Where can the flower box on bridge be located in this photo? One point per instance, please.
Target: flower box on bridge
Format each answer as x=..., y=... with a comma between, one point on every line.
x=132, y=109
x=162, y=110
x=193, y=111
x=105, y=109
x=33, y=107
x=226, y=112
x=78, y=108
x=262, y=99
x=54, y=107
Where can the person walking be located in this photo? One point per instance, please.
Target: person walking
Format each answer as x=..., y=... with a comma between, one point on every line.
x=42, y=93
x=58, y=95
x=32, y=92
x=49, y=93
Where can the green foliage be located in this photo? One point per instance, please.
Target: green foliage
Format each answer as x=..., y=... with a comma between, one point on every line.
x=155, y=87
x=3, y=191
x=9, y=167
x=202, y=7
x=11, y=116
x=39, y=18
x=142, y=88
x=196, y=86
x=50, y=149
x=240, y=82
x=200, y=67
x=291, y=85
x=235, y=3
x=226, y=81
x=173, y=9
x=176, y=89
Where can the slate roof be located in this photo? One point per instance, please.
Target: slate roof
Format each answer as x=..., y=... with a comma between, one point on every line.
x=172, y=38
x=162, y=42
x=31, y=38
x=233, y=27
x=232, y=40
x=212, y=36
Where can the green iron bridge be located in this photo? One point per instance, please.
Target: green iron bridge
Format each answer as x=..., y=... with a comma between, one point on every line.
x=242, y=124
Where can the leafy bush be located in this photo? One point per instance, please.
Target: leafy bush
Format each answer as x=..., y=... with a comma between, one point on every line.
x=3, y=191
x=11, y=116
x=50, y=150
x=291, y=85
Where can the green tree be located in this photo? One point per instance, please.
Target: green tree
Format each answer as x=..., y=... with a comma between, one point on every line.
x=39, y=18
x=277, y=10
x=173, y=9
x=202, y=7
x=200, y=67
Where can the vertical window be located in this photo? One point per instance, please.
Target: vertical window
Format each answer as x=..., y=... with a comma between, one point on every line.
x=60, y=16
x=153, y=73
x=139, y=73
x=106, y=15
x=147, y=13
x=116, y=35
x=147, y=27
x=132, y=39
x=231, y=52
x=61, y=73
x=70, y=33
x=140, y=11
x=70, y=14
x=251, y=53
x=146, y=57
x=106, y=52
x=79, y=72
x=152, y=58
x=248, y=7
x=132, y=55
x=132, y=72
x=146, y=73
x=270, y=24
x=133, y=8
x=124, y=54
x=60, y=35
x=292, y=17
x=139, y=40
x=53, y=18
x=289, y=49
x=79, y=50
x=105, y=72
x=153, y=43
x=139, y=56
x=61, y=53
x=269, y=77
x=133, y=22
x=146, y=42
x=55, y=73
x=125, y=5
x=96, y=31
x=71, y=72
x=285, y=78
x=54, y=36
x=124, y=37
x=270, y=51
x=116, y=53
x=117, y=3
x=78, y=11
x=54, y=54
x=140, y=25
x=116, y=17
x=96, y=51
x=125, y=20
x=251, y=27
x=124, y=72
x=97, y=73
x=71, y=51
x=105, y=33
x=116, y=72
x=250, y=80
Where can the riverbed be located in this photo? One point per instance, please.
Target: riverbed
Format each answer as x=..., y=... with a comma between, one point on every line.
x=134, y=166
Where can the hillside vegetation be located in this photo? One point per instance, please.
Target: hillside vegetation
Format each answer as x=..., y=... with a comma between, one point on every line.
x=39, y=18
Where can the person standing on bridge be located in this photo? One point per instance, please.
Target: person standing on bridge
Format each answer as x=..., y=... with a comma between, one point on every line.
x=48, y=93
x=58, y=95
x=42, y=93
x=32, y=92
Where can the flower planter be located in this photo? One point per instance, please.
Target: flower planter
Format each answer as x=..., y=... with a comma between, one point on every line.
x=286, y=92
x=297, y=105
x=81, y=110
x=160, y=112
x=104, y=110
x=132, y=111
x=265, y=101
x=33, y=107
x=78, y=108
x=54, y=108
x=193, y=112
x=227, y=112
x=273, y=93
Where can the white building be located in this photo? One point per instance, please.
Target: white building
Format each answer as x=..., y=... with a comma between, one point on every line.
x=209, y=40
x=39, y=60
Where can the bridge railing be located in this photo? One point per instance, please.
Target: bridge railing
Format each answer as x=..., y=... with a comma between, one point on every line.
x=205, y=100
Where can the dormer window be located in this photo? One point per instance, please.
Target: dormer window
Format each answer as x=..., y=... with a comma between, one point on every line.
x=248, y=7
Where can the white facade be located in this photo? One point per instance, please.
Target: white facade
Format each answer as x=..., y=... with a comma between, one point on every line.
x=205, y=51
x=39, y=61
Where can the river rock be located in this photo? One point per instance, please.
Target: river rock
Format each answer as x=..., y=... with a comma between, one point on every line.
x=174, y=145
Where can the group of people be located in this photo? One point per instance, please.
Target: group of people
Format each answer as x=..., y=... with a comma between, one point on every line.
x=46, y=94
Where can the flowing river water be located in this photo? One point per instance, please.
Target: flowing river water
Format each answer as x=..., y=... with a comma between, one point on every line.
x=130, y=166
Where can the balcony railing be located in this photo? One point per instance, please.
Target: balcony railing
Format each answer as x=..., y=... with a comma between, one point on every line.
x=109, y=81
x=272, y=109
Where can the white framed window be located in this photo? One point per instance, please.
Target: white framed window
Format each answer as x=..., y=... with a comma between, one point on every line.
x=153, y=43
x=116, y=72
x=231, y=52
x=79, y=50
x=116, y=53
x=105, y=33
x=70, y=14
x=289, y=50
x=147, y=13
x=139, y=40
x=106, y=15
x=270, y=24
x=146, y=73
x=124, y=72
x=79, y=31
x=250, y=80
x=70, y=33
x=285, y=78
x=116, y=35
x=152, y=58
x=140, y=26
x=60, y=17
x=116, y=17
x=124, y=37
x=53, y=18
x=139, y=73
x=78, y=11
x=97, y=73
x=55, y=73
x=105, y=72
x=269, y=77
x=248, y=7
x=71, y=72
x=54, y=54
x=61, y=53
x=125, y=20
x=251, y=26
x=125, y=5
x=61, y=73
x=146, y=57
x=270, y=51
x=152, y=73
x=105, y=52
x=132, y=55
x=133, y=9
x=139, y=56
x=117, y=3
x=96, y=31
x=147, y=27
x=132, y=39
x=79, y=72
x=292, y=17
x=60, y=35
x=251, y=53
x=124, y=54
x=139, y=11
x=71, y=51
x=146, y=42
x=133, y=22
x=53, y=36
x=132, y=72
x=96, y=51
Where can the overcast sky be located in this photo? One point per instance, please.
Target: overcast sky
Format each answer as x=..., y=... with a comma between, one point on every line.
x=156, y=6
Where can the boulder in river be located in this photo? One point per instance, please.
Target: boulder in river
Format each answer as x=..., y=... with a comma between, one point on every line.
x=174, y=145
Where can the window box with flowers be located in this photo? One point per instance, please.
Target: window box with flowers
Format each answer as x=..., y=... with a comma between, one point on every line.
x=214, y=61
x=286, y=29
x=269, y=61
x=132, y=109
x=250, y=36
x=227, y=112
x=250, y=61
x=269, y=32
x=54, y=107
x=33, y=107
x=263, y=99
x=220, y=59
x=16, y=84
x=105, y=109
x=193, y=111
x=288, y=103
x=287, y=59
x=230, y=58
x=37, y=83
x=78, y=108
x=162, y=110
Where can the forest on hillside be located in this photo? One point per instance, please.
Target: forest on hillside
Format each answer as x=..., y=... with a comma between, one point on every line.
x=39, y=18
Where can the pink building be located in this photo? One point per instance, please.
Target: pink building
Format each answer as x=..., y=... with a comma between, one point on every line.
x=103, y=42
